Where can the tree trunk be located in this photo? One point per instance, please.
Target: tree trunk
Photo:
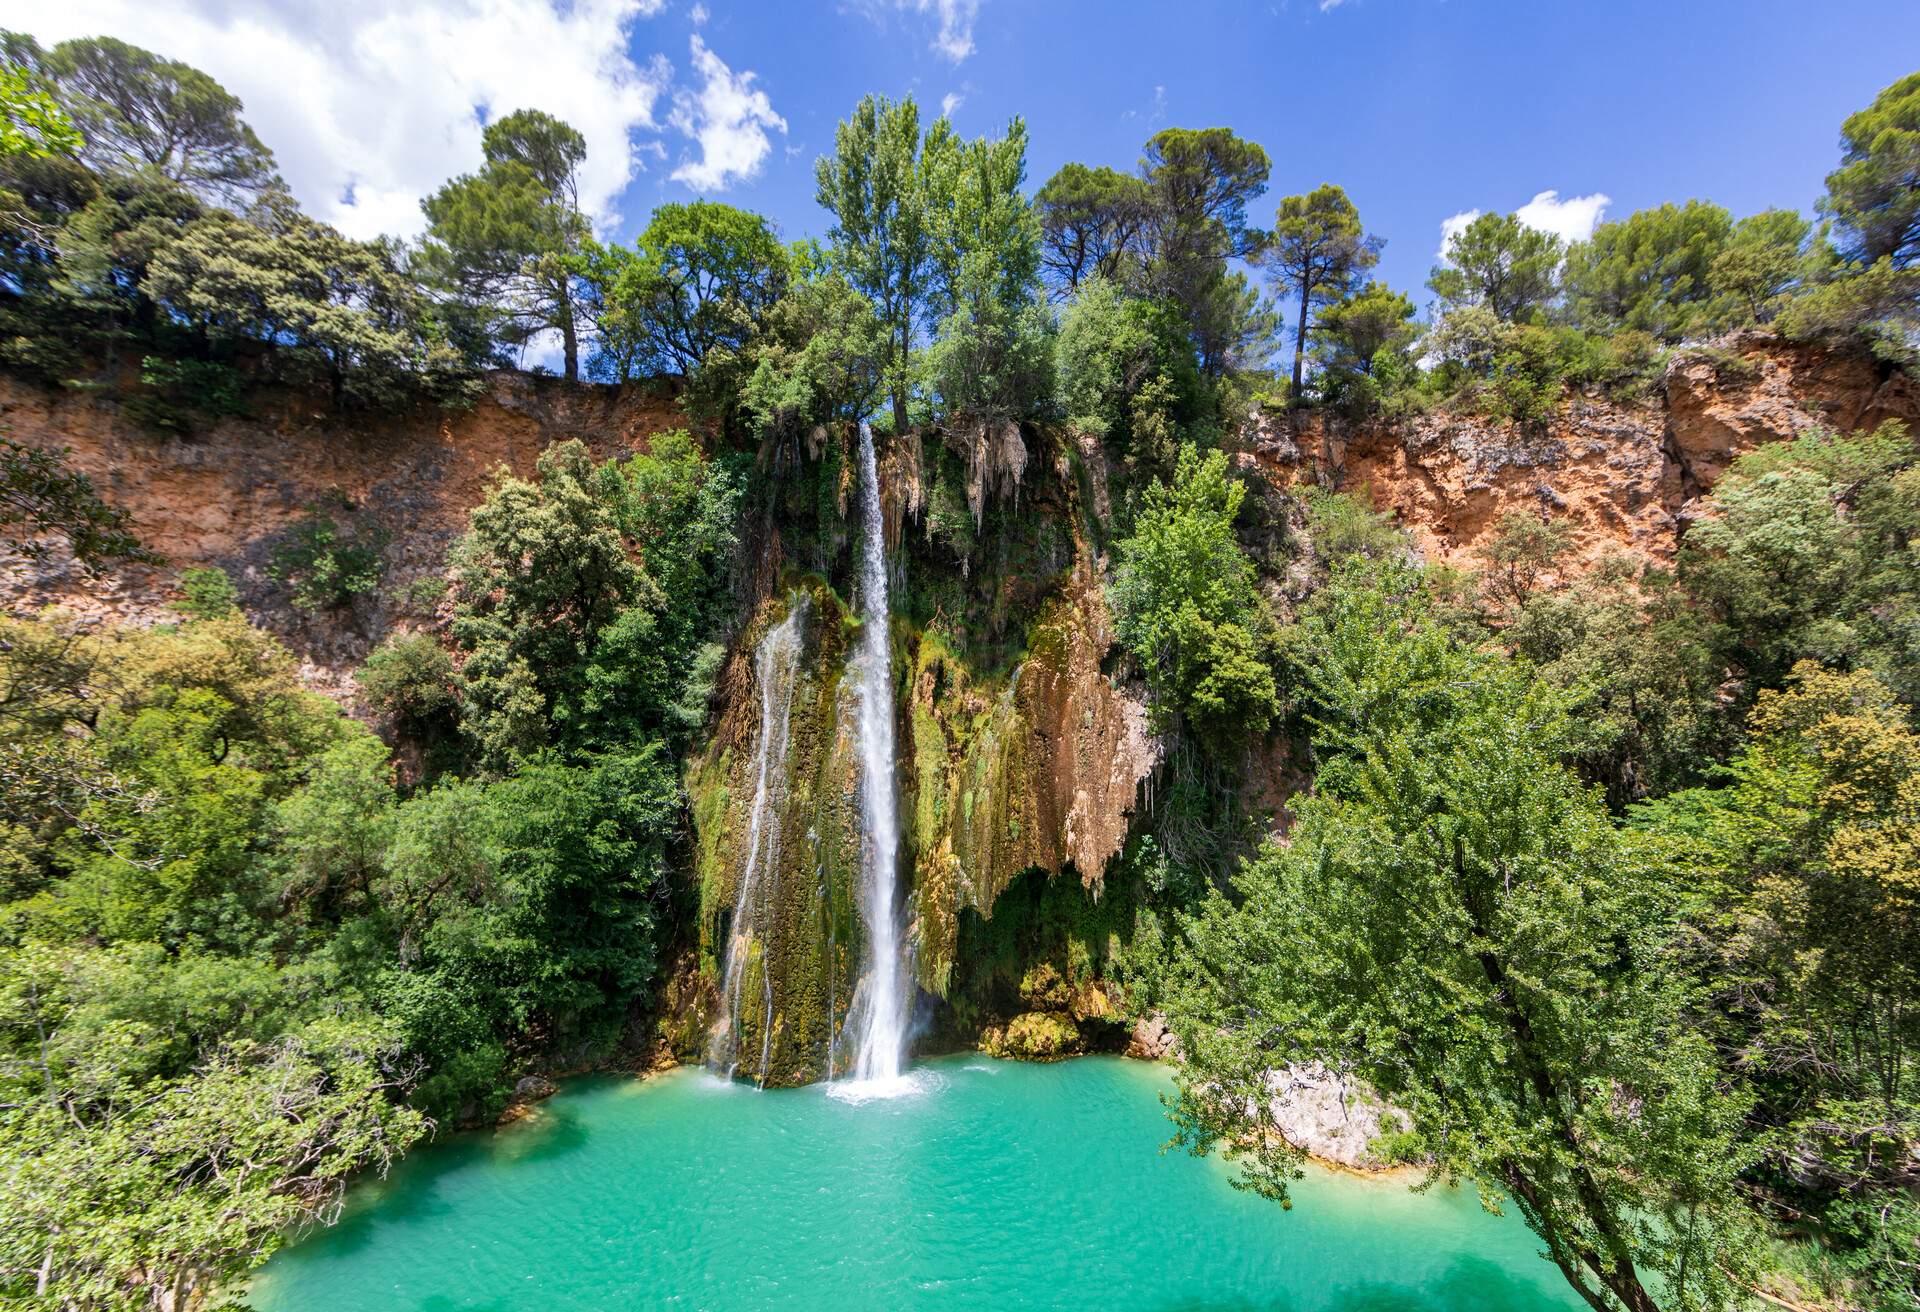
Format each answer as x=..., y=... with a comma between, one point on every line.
x=1299, y=341
x=1621, y=1279
x=900, y=384
x=569, y=336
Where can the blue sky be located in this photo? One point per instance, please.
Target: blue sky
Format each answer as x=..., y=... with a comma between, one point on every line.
x=1422, y=109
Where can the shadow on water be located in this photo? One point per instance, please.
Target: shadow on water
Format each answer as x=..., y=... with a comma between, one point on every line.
x=1470, y=1284
x=413, y=1195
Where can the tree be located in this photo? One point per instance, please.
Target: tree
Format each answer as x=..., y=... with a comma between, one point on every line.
x=820, y=357
x=1092, y=222
x=1760, y=263
x=507, y=239
x=32, y=124
x=1499, y=262
x=1874, y=196
x=1351, y=334
x=1317, y=254
x=1183, y=600
x=138, y=111
x=1456, y=921
x=1809, y=931
x=1651, y=272
x=1126, y=374
x=873, y=187
x=701, y=276
x=335, y=309
x=1199, y=183
x=1804, y=553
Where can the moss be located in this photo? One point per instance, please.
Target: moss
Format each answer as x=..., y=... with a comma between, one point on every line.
x=1034, y=1036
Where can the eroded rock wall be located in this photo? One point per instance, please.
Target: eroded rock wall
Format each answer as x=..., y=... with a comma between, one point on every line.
x=1625, y=478
x=227, y=494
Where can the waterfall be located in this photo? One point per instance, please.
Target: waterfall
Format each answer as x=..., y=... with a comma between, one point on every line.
x=882, y=1020
x=774, y=662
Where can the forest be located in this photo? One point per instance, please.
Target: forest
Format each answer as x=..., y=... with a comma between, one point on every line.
x=1608, y=878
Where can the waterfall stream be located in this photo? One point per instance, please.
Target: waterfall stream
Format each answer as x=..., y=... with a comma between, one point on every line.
x=881, y=1017
x=774, y=662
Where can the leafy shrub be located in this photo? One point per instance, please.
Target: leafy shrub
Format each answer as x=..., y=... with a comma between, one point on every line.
x=326, y=567
x=207, y=594
x=409, y=679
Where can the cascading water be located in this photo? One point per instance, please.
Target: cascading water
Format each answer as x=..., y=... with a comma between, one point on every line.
x=774, y=662
x=881, y=1017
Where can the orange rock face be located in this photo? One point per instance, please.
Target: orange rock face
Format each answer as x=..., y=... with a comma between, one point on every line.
x=224, y=497
x=1623, y=478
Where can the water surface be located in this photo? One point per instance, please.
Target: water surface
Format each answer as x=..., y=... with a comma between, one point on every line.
x=999, y=1185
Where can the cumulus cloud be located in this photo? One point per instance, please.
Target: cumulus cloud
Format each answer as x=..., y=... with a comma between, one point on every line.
x=729, y=117
x=952, y=101
x=1571, y=220
x=369, y=106
x=1453, y=225
x=698, y=15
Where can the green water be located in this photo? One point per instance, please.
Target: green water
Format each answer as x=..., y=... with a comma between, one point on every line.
x=1000, y=1185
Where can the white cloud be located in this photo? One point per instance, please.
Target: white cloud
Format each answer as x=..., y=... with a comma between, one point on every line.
x=370, y=106
x=954, y=39
x=950, y=102
x=1452, y=226
x=1571, y=220
x=1325, y=5
x=698, y=15
x=729, y=117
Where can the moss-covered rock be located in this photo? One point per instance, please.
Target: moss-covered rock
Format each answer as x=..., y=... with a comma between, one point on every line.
x=1033, y=1036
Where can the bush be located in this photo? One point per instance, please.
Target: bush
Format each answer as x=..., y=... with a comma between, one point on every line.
x=327, y=568
x=409, y=679
x=207, y=594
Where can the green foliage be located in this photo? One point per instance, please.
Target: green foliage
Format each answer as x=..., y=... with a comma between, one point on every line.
x=1643, y=665
x=1874, y=196
x=699, y=278
x=1499, y=263
x=1806, y=553
x=1364, y=346
x=327, y=567
x=1093, y=224
x=41, y=497
x=409, y=680
x=207, y=594
x=32, y=124
x=1126, y=375
x=1762, y=261
x=1522, y=371
x=1318, y=253
x=1652, y=272
x=580, y=600
x=1186, y=607
x=938, y=232
x=820, y=358
x=1809, y=931
x=1341, y=525
x=138, y=112
x=1457, y=921
x=507, y=240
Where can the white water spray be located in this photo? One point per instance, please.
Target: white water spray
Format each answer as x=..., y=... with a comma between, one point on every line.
x=882, y=1017
x=774, y=662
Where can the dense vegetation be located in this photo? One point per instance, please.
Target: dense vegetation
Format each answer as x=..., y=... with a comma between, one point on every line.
x=1610, y=883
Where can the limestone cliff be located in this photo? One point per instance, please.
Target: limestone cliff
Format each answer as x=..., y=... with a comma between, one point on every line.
x=1623, y=477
